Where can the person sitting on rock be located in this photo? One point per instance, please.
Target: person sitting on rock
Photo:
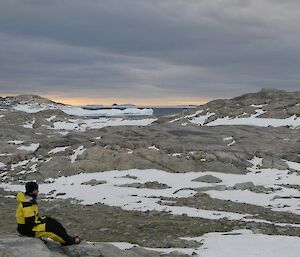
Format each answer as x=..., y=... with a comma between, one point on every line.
x=32, y=225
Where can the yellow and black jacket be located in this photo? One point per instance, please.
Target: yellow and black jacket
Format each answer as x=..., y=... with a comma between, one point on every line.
x=27, y=216
x=30, y=224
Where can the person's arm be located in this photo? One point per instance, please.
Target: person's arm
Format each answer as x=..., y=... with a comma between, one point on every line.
x=29, y=214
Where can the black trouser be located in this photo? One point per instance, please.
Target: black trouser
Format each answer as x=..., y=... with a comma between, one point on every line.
x=52, y=226
x=57, y=228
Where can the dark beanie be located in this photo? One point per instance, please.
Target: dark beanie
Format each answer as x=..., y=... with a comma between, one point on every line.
x=30, y=187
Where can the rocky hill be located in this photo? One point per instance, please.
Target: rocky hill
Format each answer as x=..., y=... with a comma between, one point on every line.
x=51, y=143
x=267, y=103
x=229, y=165
x=276, y=104
x=10, y=101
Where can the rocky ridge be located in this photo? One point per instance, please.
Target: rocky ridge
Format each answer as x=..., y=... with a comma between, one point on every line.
x=16, y=246
x=274, y=103
x=34, y=147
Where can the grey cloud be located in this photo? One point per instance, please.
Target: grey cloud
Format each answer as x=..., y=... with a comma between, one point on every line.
x=149, y=48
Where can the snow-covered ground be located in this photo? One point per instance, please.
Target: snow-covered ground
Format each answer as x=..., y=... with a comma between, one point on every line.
x=29, y=124
x=180, y=185
x=58, y=149
x=30, y=148
x=237, y=243
x=2, y=165
x=15, y=142
x=84, y=124
x=78, y=111
x=200, y=120
x=186, y=117
x=292, y=121
x=116, y=192
x=153, y=147
x=229, y=140
x=80, y=150
x=253, y=120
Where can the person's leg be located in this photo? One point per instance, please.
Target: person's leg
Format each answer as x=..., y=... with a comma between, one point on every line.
x=51, y=235
x=40, y=231
x=54, y=230
x=57, y=228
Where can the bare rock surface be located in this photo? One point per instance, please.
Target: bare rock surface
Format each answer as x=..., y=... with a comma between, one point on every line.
x=151, y=185
x=208, y=179
x=275, y=104
x=17, y=246
x=49, y=144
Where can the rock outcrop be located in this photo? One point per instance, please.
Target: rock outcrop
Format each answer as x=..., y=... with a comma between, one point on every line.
x=274, y=103
x=17, y=246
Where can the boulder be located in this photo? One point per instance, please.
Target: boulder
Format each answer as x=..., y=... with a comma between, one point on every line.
x=208, y=179
x=19, y=246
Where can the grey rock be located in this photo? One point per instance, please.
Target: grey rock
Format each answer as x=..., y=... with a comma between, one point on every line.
x=208, y=179
x=244, y=186
x=16, y=246
x=150, y=185
x=94, y=182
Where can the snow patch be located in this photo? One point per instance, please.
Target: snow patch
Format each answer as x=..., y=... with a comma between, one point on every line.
x=31, y=148
x=51, y=118
x=62, y=125
x=84, y=124
x=80, y=150
x=5, y=154
x=245, y=243
x=253, y=120
x=293, y=165
x=187, y=117
x=78, y=111
x=153, y=147
x=63, y=133
x=21, y=163
x=229, y=139
x=201, y=119
x=256, y=161
x=277, y=196
x=230, y=144
x=58, y=149
x=108, y=112
x=29, y=124
x=15, y=142
x=236, y=243
x=2, y=166
x=258, y=105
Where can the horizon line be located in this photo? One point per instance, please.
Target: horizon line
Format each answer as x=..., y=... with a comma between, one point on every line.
x=109, y=101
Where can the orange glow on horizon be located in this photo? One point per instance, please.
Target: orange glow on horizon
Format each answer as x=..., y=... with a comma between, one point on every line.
x=163, y=101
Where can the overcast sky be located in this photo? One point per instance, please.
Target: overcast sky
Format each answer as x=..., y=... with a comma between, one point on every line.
x=148, y=49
